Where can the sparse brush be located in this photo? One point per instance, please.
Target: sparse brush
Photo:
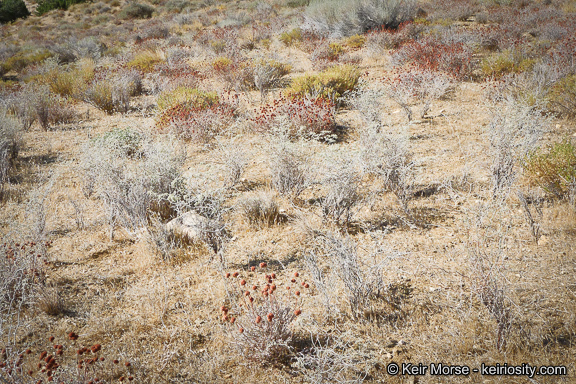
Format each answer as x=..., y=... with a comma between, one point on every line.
x=340, y=18
x=22, y=271
x=261, y=210
x=290, y=172
x=487, y=256
x=163, y=239
x=533, y=220
x=234, y=160
x=35, y=102
x=513, y=131
x=418, y=87
x=343, y=197
x=362, y=282
x=127, y=187
x=270, y=74
x=331, y=359
x=10, y=142
x=386, y=154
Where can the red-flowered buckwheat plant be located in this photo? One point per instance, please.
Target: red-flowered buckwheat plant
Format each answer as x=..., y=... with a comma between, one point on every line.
x=430, y=54
x=22, y=273
x=71, y=362
x=260, y=311
x=308, y=116
x=199, y=122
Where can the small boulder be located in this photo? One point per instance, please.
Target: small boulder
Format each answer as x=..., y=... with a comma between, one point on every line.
x=190, y=226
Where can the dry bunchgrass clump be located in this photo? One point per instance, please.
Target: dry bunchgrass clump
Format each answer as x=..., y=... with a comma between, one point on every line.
x=147, y=60
x=112, y=91
x=260, y=210
x=49, y=300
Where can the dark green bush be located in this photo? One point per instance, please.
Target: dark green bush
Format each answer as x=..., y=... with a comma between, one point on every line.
x=48, y=5
x=11, y=10
x=137, y=11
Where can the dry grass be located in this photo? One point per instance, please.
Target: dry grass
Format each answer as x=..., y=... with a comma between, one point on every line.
x=445, y=238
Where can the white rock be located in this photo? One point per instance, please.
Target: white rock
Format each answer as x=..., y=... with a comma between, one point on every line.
x=188, y=226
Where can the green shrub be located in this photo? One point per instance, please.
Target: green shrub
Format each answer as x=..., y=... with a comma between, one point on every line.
x=503, y=63
x=554, y=168
x=25, y=58
x=291, y=37
x=48, y=5
x=136, y=11
x=124, y=142
x=331, y=83
x=297, y=3
x=11, y=10
x=356, y=41
x=184, y=95
x=562, y=96
x=145, y=61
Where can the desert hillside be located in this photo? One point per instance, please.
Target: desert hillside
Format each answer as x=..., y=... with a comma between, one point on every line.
x=287, y=191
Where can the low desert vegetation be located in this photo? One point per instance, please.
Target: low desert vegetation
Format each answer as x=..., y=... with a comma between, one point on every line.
x=291, y=191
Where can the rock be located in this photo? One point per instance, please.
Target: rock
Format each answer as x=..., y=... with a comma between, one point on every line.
x=190, y=226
